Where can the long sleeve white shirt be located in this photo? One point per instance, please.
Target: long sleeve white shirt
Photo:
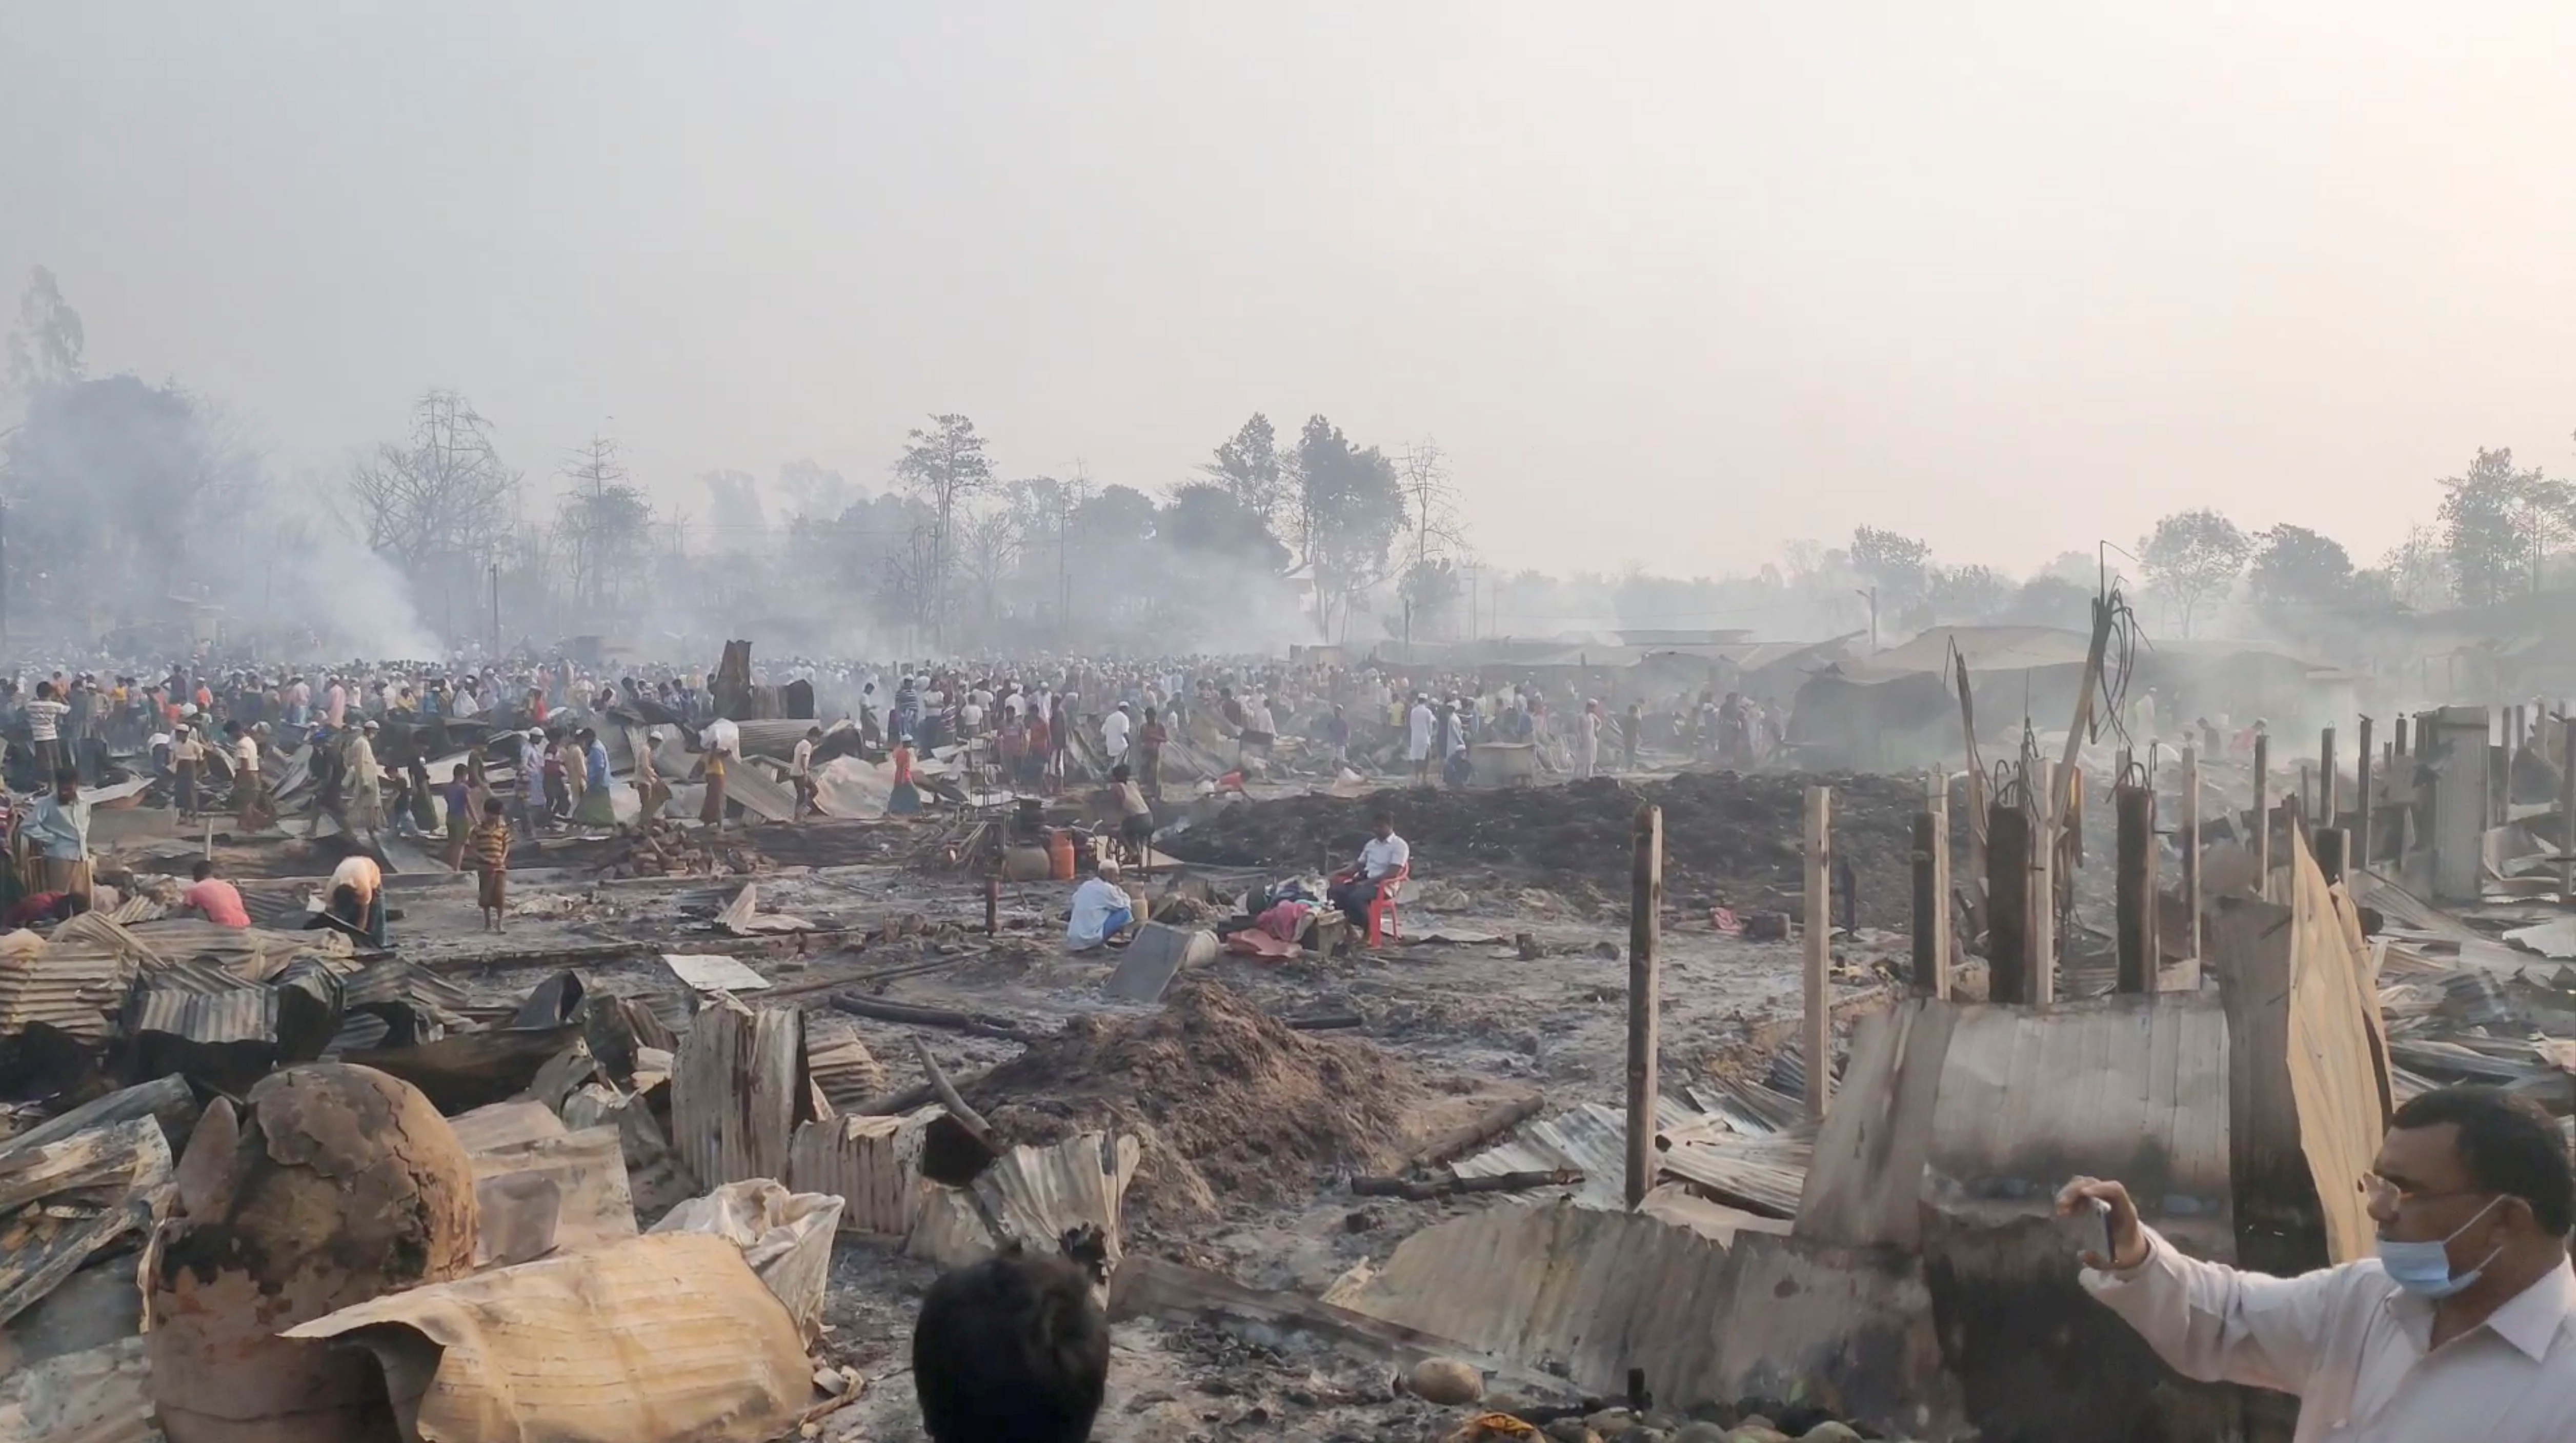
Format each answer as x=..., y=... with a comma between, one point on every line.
x=2356, y=1350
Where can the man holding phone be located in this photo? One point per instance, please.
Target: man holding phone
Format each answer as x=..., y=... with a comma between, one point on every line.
x=2464, y=1325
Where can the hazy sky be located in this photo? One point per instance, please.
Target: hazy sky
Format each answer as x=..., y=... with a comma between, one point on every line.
x=1672, y=283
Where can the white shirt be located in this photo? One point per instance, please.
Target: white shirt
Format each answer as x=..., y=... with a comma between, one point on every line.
x=1093, y=902
x=246, y=754
x=1263, y=722
x=1113, y=733
x=1418, y=744
x=45, y=719
x=801, y=761
x=2354, y=1348
x=1384, y=857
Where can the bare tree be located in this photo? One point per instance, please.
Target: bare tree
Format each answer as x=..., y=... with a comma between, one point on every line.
x=603, y=524
x=1435, y=535
x=440, y=501
x=988, y=552
x=944, y=466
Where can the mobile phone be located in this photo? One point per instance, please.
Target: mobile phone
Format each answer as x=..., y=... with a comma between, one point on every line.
x=2102, y=1210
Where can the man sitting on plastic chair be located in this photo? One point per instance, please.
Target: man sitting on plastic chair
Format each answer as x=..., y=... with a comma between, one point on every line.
x=1383, y=863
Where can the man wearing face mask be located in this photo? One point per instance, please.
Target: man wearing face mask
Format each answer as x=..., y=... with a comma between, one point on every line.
x=2464, y=1325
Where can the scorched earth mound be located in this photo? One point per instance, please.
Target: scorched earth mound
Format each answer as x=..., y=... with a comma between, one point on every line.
x=1229, y=1105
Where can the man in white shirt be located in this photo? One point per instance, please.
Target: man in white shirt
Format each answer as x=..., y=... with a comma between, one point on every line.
x=2463, y=1326
x=1101, y=910
x=800, y=771
x=1113, y=732
x=1384, y=859
x=1417, y=741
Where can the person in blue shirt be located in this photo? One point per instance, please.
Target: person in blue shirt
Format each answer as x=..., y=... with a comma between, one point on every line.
x=58, y=829
x=596, y=810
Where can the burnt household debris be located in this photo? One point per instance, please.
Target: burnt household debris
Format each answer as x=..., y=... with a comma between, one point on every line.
x=1426, y=1046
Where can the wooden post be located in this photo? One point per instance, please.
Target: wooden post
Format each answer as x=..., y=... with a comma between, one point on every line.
x=1818, y=1034
x=2043, y=886
x=992, y=906
x=2567, y=820
x=2326, y=798
x=2262, y=816
x=2397, y=738
x=2361, y=777
x=2134, y=886
x=1932, y=890
x=2189, y=827
x=2329, y=849
x=2007, y=904
x=1645, y=930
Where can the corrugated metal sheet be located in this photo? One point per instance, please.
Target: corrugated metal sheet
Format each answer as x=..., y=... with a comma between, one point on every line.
x=843, y=1069
x=872, y=1164
x=1595, y=1293
x=739, y=1087
x=1986, y=1116
x=394, y=980
x=1592, y=1139
x=1032, y=1194
x=70, y=989
x=233, y=1014
x=251, y=953
x=651, y=1179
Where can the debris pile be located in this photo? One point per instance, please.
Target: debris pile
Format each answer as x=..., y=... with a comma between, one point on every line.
x=1728, y=836
x=656, y=847
x=1227, y=1102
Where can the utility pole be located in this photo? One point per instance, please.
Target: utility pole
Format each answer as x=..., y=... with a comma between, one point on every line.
x=496, y=611
x=1870, y=595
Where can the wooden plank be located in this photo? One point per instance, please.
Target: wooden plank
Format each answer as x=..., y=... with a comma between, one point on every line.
x=1817, y=1031
x=1645, y=920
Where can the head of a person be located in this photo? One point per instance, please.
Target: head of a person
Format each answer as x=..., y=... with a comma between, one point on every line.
x=70, y=905
x=1119, y=773
x=67, y=785
x=494, y=809
x=2484, y=1173
x=344, y=898
x=813, y=734
x=201, y=869
x=457, y=773
x=1014, y=1347
x=1383, y=824
x=44, y=691
x=1106, y=869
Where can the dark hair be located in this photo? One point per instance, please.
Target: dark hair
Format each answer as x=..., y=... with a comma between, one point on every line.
x=67, y=777
x=494, y=807
x=1013, y=1347
x=1387, y=817
x=202, y=870
x=1119, y=773
x=2507, y=1144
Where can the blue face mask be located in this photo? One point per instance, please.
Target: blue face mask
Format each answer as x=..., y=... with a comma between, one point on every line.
x=2424, y=1269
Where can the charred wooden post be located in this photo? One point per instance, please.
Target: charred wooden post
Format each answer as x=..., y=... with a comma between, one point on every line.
x=1818, y=1032
x=2135, y=886
x=2567, y=817
x=1645, y=931
x=2361, y=778
x=2327, y=815
x=2189, y=829
x=2007, y=903
x=2263, y=815
x=2329, y=844
x=1932, y=890
x=2048, y=816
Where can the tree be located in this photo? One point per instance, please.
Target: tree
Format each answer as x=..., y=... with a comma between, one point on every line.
x=2049, y=600
x=1247, y=468
x=2417, y=571
x=1349, y=508
x=1967, y=593
x=1433, y=532
x=2193, y=557
x=603, y=524
x=2299, y=571
x=944, y=466
x=988, y=552
x=733, y=498
x=1429, y=589
x=2501, y=524
x=45, y=347
x=1898, y=566
x=1206, y=518
x=438, y=503
x=814, y=490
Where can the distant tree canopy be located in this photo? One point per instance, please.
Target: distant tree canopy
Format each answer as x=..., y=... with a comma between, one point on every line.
x=2194, y=558
x=2500, y=524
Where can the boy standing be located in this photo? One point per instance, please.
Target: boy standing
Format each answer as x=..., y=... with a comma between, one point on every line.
x=492, y=863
